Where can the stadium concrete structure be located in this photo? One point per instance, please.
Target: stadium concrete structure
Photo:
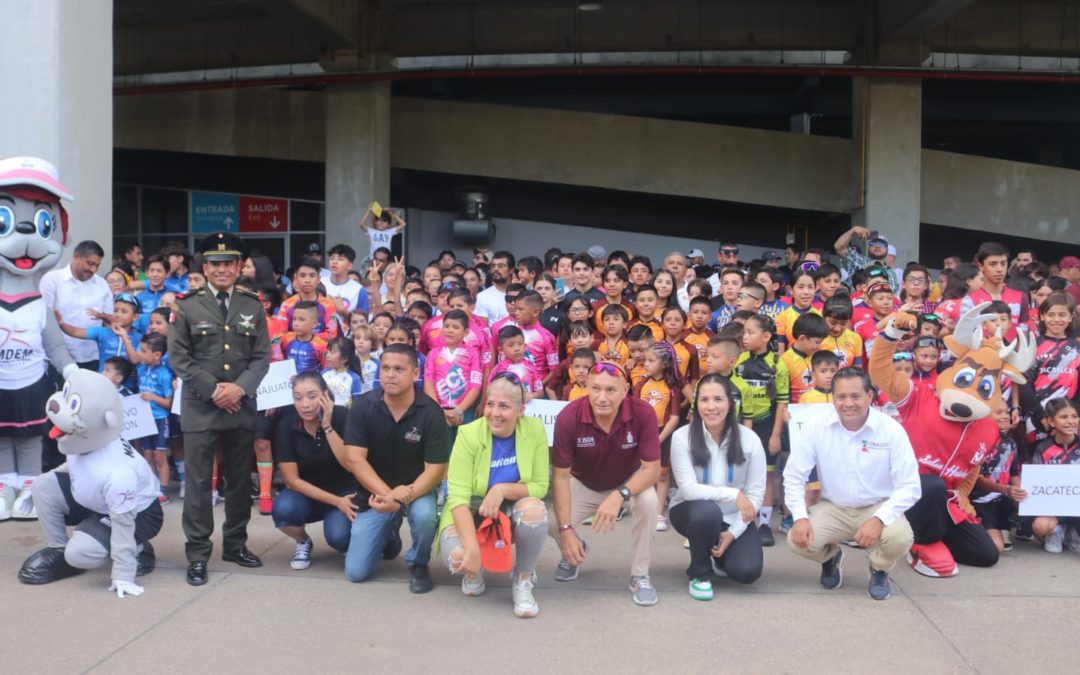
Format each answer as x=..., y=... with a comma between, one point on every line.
x=672, y=122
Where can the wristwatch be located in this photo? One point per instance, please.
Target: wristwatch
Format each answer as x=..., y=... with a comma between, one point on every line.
x=625, y=492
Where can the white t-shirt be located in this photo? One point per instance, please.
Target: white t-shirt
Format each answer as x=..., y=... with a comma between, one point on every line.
x=113, y=479
x=22, y=350
x=491, y=304
x=380, y=238
x=348, y=291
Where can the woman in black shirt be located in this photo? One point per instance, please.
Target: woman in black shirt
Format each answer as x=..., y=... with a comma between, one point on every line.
x=309, y=448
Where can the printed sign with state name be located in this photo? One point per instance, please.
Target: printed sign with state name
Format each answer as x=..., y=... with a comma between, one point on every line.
x=138, y=419
x=1052, y=490
x=275, y=390
x=546, y=411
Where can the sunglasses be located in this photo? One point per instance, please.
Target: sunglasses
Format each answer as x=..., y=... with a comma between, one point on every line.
x=729, y=251
x=512, y=378
x=876, y=271
x=609, y=368
x=927, y=341
x=902, y=356
x=931, y=318
x=129, y=299
x=809, y=266
x=449, y=286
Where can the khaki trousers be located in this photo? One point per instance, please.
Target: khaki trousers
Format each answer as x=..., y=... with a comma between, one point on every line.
x=833, y=524
x=643, y=506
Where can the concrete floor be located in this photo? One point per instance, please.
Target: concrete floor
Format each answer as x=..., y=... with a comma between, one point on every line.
x=277, y=619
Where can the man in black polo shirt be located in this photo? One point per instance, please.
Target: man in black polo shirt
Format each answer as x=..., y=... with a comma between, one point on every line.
x=397, y=446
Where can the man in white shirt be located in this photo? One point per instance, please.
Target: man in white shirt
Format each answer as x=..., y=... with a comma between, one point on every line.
x=869, y=478
x=82, y=297
x=491, y=302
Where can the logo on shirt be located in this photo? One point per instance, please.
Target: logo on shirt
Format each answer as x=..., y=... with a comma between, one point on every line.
x=413, y=435
x=586, y=442
x=631, y=442
x=246, y=322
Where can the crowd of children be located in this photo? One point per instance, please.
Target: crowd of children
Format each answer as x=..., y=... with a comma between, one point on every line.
x=778, y=334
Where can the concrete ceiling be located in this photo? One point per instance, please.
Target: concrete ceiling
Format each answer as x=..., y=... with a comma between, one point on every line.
x=154, y=36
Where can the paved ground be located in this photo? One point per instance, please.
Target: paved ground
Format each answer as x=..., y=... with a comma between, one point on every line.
x=275, y=619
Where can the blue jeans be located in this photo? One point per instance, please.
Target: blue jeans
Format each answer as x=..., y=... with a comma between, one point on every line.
x=371, y=530
x=292, y=509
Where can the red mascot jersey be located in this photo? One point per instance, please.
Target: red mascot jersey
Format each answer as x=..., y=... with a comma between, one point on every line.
x=949, y=449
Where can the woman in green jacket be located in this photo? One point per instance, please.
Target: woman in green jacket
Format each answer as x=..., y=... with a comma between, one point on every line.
x=499, y=463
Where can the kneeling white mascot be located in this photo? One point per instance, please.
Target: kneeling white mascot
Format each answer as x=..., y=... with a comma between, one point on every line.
x=105, y=489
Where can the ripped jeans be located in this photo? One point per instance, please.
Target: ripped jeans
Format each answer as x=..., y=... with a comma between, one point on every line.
x=529, y=520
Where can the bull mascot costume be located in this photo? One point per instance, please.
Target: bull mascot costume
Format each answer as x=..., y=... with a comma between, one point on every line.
x=33, y=231
x=952, y=432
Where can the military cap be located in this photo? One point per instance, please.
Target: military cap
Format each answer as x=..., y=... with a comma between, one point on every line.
x=222, y=247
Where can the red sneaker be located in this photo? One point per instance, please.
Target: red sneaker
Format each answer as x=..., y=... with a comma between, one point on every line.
x=266, y=505
x=933, y=560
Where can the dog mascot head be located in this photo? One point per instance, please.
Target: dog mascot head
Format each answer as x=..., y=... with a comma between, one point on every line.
x=87, y=413
x=33, y=222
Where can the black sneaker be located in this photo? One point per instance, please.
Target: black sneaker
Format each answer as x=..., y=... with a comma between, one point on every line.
x=420, y=579
x=879, y=584
x=832, y=573
x=766, y=535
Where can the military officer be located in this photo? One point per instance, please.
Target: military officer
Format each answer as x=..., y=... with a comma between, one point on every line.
x=220, y=349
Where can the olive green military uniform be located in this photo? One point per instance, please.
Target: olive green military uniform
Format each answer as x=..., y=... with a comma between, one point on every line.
x=205, y=350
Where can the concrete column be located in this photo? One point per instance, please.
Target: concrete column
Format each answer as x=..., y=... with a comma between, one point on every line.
x=887, y=127
x=357, y=158
x=57, y=58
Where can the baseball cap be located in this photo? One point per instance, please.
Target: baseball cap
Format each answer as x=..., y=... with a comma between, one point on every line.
x=892, y=250
x=314, y=247
x=597, y=252
x=770, y=254
x=1069, y=261
x=695, y=253
x=33, y=171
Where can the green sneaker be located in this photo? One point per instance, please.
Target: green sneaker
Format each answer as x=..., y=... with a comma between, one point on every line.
x=701, y=589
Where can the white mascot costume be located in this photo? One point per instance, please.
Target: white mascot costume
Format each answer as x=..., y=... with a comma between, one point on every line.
x=105, y=489
x=33, y=231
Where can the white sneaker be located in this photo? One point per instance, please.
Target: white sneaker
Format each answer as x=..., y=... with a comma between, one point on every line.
x=7, y=500
x=301, y=560
x=1072, y=540
x=215, y=498
x=23, y=509
x=524, y=603
x=1054, y=540
x=473, y=586
x=183, y=489
x=661, y=523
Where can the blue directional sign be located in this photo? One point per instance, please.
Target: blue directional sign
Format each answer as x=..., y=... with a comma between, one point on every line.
x=214, y=212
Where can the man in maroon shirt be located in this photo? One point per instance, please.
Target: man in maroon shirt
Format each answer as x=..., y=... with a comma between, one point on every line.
x=606, y=453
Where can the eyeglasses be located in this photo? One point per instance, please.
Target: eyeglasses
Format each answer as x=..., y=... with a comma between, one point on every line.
x=902, y=356
x=745, y=296
x=809, y=266
x=578, y=308
x=512, y=378
x=729, y=251
x=918, y=281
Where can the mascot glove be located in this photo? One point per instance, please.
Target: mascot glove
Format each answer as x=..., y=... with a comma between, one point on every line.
x=69, y=369
x=892, y=332
x=123, y=588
